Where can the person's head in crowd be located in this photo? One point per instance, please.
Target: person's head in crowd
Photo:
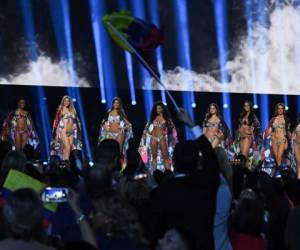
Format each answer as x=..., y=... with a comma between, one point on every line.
x=176, y=239
x=135, y=188
x=5, y=147
x=248, y=215
x=76, y=164
x=270, y=189
x=13, y=160
x=29, y=152
x=109, y=151
x=134, y=161
x=54, y=162
x=33, y=170
x=242, y=160
x=159, y=176
x=186, y=157
x=98, y=179
x=22, y=214
x=58, y=174
x=113, y=216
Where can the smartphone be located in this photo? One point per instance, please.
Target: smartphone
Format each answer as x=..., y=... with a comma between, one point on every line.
x=55, y=194
x=140, y=176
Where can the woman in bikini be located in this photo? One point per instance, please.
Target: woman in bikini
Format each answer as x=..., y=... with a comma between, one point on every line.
x=215, y=128
x=249, y=135
x=66, y=130
x=115, y=125
x=278, y=130
x=18, y=127
x=159, y=138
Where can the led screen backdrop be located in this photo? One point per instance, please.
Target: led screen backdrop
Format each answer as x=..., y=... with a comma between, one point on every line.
x=263, y=53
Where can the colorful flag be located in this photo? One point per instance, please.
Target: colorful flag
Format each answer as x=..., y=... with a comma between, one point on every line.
x=144, y=37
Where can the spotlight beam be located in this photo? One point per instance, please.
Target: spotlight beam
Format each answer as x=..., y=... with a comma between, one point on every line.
x=38, y=93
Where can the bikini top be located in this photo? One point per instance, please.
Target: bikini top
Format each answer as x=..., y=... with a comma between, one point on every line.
x=158, y=124
x=67, y=116
x=244, y=121
x=209, y=124
x=20, y=116
x=278, y=125
x=114, y=118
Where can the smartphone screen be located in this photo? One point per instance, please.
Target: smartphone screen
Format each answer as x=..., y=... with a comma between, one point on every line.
x=55, y=194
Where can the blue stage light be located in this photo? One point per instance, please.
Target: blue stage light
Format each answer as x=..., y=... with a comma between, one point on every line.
x=128, y=59
x=183, y=52
x=249, y=20
x=261, y=10
x=264, y=110
x=40, y=107
x=103, y=51
x=286, y=100
x=61, y=22
x=138, y=11
x=153, y=8
x=220, y=12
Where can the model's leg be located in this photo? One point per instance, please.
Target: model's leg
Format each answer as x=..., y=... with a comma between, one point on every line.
x=275, y=152
x=154, y=149
x=120, y=140
x=18, y=141
x=66, y=145
x=24, y=139
x=245, y=145
x=165, y=153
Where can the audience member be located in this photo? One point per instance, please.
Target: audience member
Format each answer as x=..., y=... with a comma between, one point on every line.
x=23, y=214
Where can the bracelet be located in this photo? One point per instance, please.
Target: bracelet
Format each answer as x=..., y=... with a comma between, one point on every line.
x=80, y=218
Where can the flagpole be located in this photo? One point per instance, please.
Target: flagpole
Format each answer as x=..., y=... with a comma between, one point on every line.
x=156, y=77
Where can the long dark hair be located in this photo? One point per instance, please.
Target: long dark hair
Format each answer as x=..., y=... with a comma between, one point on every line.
x=286, y=119
x=251, y=114
x=208, y=115
x=121, y=110
x=166, y=113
